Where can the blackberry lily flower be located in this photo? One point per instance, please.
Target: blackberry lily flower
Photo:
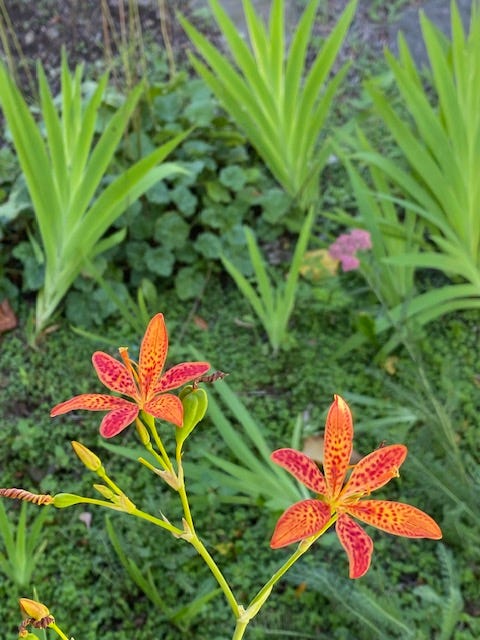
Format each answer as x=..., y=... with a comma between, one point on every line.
x=143, y=383
x=335, y=497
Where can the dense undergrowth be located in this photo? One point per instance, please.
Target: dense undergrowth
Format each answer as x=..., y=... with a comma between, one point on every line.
x=79, y=570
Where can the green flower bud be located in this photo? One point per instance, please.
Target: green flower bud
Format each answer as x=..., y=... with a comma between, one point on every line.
x=63, y=500
x=89, y=459
x=195, y=404
x=142, y=432
x=105, y=491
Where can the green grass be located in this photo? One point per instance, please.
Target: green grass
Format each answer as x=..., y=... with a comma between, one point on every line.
x=87, y=576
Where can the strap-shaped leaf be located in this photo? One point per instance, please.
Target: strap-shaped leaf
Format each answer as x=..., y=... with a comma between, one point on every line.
x=322, y=65
x=276, y=53
x=247, y=290
x=53, y=127
x=101, y=157
x=83, y=144
x=245, y=61
x=295, y=63
x=264, y=285
x=443, y=79
x=34, y=160
x=292, y=278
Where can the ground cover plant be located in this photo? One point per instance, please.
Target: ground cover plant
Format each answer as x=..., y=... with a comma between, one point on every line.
x=116, y=579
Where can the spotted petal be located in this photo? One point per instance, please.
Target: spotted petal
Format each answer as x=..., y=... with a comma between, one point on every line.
x=114, y=375
x=300, y=521
x=357, y=544
x=118, y=419
x=375, y=470
x=337, y=445
x=302, y=468
x=166, y=407
x=90, y=402
x=179, y=375
x=397, y=518
x=153, y=353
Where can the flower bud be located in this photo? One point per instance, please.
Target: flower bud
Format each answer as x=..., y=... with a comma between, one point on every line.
x=142, y=432
x=33, y=609
x=195, y=404
x=105, y=491
x=63, y=500
x=89, y=459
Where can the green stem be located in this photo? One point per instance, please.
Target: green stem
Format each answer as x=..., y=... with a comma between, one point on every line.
x=259, y=600
x=58, y=631
x=101, y=473
x=240, y=629
x=159, y=458
x=210, y=562
x=159, y=522
x=163, y=459
x=183, y=491
x=198, y=544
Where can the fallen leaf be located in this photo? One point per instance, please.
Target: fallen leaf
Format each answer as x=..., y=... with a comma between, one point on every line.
x=200, y=323
x=8, y=320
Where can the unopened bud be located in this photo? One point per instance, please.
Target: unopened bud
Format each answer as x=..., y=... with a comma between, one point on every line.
x=142, y=432
x=33, y=609
x=89, y=459
x=195, y=404
x=63, y=500
x=105, y=491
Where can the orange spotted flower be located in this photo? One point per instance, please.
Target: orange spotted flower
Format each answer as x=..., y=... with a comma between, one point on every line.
x=143, y=383
x=339, y=499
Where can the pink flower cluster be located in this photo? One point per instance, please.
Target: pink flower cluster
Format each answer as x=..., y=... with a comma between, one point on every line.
x=345, y=247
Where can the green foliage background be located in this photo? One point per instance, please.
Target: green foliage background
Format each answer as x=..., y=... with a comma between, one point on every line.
x=174, y=239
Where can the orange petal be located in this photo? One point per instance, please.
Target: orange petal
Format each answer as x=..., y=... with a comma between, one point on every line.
x=357, y=544
x=118, y=420
x=166, y=407
x=180, y=374
x=300, y=521
x=301, y=467
x=338, y=445
x=397, y=518
x=114, y=375
x=90, y=402
x=153, y=353
x=375, y=470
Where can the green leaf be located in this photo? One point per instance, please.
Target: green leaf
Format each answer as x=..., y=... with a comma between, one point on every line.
x=189, y=283
x=160, y=261
x=208, y=245
x=185, y=200
x=171, y=230
x=233, y=177
x=280, y=107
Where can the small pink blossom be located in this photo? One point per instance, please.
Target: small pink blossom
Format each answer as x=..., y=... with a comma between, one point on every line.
x=345, y=247
x=349, y=263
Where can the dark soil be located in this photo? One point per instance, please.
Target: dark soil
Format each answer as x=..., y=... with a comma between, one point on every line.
x=91, y=30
